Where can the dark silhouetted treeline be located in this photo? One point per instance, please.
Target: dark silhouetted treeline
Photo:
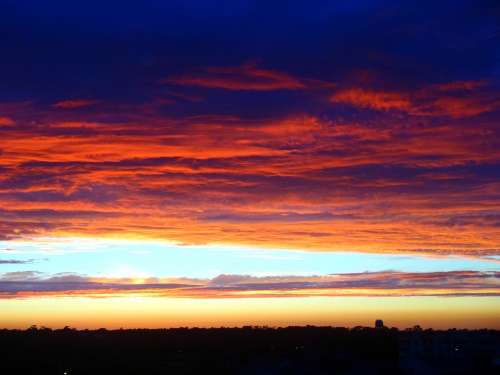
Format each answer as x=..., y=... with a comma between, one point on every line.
x=249, y=350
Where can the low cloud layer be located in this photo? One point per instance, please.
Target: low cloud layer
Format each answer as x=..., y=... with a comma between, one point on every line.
x=29, y=284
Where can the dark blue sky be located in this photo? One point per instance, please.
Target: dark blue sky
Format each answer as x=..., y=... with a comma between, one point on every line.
x=119, y=50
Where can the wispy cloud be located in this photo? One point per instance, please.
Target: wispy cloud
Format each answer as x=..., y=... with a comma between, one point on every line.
x=16, y=261
x=245, y=77
x=74, y=103
x=452, y=99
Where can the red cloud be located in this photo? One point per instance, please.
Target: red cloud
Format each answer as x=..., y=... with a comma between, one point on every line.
x=460, y=85
x=378, y=100
x=461, y=107
x=6, y=121
x=246, y=77
x=74, y=103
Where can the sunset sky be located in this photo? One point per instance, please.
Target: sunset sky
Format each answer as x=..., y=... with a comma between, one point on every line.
x=208, y=163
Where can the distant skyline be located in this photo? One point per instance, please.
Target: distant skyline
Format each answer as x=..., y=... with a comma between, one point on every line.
x=232, y=161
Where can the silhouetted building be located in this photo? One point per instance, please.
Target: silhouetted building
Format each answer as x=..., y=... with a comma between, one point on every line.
x=379, y=323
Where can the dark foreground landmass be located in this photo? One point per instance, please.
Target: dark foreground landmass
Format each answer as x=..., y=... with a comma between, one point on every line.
x=249, y=350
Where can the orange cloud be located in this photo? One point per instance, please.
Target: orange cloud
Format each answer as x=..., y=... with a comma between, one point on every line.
x=296, y=181
x=453, y=99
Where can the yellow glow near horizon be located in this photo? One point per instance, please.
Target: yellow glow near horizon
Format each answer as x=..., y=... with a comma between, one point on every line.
x=135, y=312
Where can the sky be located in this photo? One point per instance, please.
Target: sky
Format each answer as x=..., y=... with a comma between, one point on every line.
x=195, y=163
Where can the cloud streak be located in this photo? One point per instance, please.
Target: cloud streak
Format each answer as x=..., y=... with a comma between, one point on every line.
x=245, y=77
x=74, y=103
x=15, y=261
x=451, y=99
x=32, y=284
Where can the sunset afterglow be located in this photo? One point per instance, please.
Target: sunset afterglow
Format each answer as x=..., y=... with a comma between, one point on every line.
x=177, y=163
